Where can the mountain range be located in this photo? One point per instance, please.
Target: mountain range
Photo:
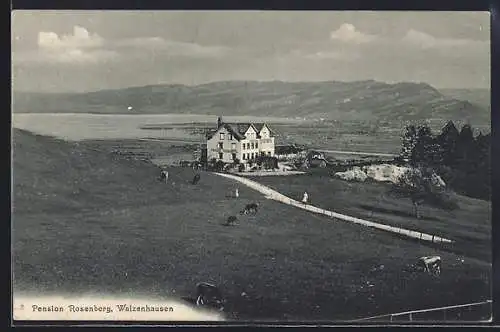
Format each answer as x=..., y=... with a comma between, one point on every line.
x=360, y=100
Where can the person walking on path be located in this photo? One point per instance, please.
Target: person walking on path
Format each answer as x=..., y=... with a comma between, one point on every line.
x=305, y=198
x=236, y=193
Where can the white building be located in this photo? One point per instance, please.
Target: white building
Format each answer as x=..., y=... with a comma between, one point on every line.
x=242, y=141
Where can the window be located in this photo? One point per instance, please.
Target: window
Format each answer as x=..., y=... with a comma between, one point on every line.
x=221, y=155
x=243, y=146
x=233, y=146
x=220, y=145
x=252, y=145
x=253, y=156
x=268, y=153
x=230, y=137
x=234, y=156
x=222, y=136
x=244, y=156
x=256, y=145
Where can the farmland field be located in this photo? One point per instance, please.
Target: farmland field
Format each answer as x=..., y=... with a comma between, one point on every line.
x=89, y=221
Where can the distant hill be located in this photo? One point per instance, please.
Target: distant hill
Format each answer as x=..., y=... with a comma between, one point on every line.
x=480, y=97
x=361, y=100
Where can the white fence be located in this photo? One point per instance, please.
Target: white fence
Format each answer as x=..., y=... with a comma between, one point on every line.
x=272, y=194
x=453, y=313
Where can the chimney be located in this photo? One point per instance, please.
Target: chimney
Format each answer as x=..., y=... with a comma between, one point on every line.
x=219, y=122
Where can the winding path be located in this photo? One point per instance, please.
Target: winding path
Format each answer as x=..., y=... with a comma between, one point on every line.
x=274, y=195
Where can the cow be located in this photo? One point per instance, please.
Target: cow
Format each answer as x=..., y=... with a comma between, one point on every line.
x=430, y=264
x=196, y=179
x=231, y=220
x=250, y=208
x=209, y=295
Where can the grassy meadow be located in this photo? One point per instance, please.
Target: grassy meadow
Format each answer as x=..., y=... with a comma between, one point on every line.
x=89, y=221
x=469, y=225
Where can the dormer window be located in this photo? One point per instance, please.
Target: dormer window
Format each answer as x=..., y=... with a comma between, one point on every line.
x=230, y=137
x=221, y=136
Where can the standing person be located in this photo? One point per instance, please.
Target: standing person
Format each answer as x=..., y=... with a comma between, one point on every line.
x=305, y=198
x=236, y=193
x=164, y=176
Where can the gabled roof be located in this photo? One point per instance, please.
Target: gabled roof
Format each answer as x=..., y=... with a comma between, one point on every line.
x=259, y=126
x=234, y=131
x=239, y=129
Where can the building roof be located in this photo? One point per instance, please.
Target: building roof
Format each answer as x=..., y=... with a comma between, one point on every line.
x=239, y=129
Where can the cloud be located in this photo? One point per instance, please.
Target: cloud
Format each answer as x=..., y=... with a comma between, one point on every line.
x=348, y=33
x=80, y=38
x=330, y=55
x=77, y=48
x=172, y=48
x=427, y=41
x=82, y=47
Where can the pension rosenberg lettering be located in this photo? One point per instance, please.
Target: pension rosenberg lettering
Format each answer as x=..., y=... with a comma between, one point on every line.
x=104, y=309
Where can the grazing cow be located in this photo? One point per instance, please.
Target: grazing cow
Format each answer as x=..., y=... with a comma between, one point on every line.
x=209, y=295
x=231, y=220
x=196, y=179
x=430, y=264
x=250, y=208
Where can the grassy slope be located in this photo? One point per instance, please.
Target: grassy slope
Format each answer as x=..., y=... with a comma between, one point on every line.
x=469, y=225
x=85, y=221
x=363, y=100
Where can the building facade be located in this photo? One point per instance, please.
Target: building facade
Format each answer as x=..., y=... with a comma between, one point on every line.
x=241, y=141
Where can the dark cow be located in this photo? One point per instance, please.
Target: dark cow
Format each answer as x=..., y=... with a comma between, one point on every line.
x=430, y=264
x=208, y=295
x=231, y=220
x=196, y=179
x=250, y=208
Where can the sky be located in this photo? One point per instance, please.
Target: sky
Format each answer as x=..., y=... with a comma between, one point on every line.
x=78, y=51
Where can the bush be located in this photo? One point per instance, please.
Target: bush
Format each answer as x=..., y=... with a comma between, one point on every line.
x=417, y=185
x=219, y=166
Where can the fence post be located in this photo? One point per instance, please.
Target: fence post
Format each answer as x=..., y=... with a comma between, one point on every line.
x=411, y=317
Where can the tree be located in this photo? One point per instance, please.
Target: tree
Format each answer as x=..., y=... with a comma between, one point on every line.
x=219, y=165
x=447, y=142
x=409, y=138
x=417, y=184
x=419, y=146
x=465, y=146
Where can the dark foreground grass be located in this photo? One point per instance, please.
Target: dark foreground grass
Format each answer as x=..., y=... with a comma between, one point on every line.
x=469, y=225
x=86, y=222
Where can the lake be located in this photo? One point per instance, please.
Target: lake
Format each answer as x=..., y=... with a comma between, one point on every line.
x=80, y=126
